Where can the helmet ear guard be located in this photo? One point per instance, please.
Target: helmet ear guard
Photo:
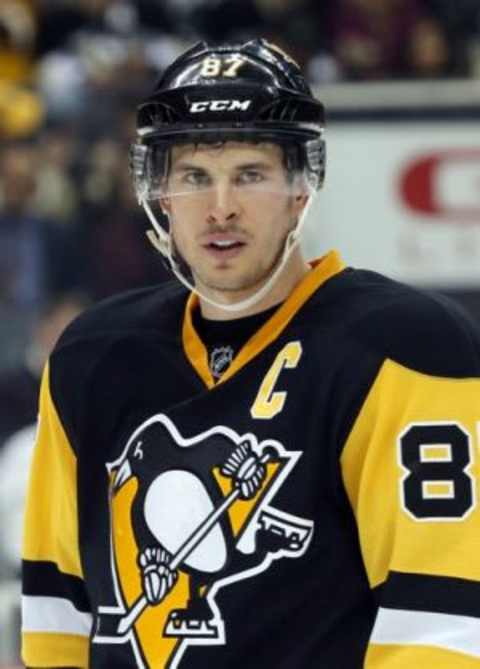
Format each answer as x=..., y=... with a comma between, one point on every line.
x=137, y=162
x=148, y=168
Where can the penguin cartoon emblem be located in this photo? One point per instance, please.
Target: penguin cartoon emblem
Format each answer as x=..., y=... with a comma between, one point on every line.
x=189, y=517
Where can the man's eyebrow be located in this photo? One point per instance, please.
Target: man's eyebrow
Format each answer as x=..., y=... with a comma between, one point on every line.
x=185, y=167
x=258, y=165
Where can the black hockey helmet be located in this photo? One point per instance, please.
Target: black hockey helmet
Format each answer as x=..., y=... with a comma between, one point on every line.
x=214, y=93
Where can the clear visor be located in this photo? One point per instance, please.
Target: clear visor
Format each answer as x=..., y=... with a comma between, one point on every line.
x=255, y=175
x=244, y=183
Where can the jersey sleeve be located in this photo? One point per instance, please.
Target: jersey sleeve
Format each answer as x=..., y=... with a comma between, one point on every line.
x=410, y=469
x=56, y=618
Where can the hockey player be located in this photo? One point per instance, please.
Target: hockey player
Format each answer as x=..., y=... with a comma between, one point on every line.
x=274, y=464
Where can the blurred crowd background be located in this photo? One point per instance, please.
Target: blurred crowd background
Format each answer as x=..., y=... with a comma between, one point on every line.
x=71, y=73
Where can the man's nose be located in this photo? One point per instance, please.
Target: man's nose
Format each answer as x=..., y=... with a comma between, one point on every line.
x=224, y=206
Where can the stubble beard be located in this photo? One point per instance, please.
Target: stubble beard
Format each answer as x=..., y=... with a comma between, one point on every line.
x=232, y=285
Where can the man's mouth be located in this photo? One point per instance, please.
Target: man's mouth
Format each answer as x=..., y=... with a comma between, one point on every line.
x=223, y=246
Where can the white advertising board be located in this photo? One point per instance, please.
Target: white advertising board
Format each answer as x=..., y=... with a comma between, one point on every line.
x=403, y=199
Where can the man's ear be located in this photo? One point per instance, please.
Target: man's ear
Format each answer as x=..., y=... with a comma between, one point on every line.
x=165, y=205
x=299, y=203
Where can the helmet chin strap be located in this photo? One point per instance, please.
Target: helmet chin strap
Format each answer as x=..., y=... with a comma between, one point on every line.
x=162, y=241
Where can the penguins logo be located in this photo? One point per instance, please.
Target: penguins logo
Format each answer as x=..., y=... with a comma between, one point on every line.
x=190, y=516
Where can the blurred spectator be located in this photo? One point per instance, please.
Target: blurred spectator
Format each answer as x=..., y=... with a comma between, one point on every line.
x=21, y=112
x=14, y=462
x=61, y=80
x=117, y=254
x=461, y=21
x=36, y=257
x=19, y=384
x=22, y=271
x=428, y=52
x=109, y=48
x=102, y=171
x=17, y=38
x=117, y=73
x=56, y=193
x=60, y=20
x=375, y=39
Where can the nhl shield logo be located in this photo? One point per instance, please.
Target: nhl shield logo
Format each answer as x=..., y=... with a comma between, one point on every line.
x=220, y=360
x=190, y=516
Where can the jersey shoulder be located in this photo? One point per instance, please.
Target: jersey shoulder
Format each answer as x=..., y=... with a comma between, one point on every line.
x=119, y=326
x=420, y=329
x=136, y=311
x=121, y=332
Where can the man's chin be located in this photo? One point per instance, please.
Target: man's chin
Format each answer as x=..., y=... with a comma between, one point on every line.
x=231, y=285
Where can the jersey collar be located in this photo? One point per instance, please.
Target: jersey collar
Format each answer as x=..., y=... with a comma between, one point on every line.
x=322, y=269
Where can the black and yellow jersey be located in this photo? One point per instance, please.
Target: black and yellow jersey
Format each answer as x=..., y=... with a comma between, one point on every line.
x=360, y=399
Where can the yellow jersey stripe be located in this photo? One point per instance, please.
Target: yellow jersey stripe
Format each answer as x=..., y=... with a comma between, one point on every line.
x=52, y=537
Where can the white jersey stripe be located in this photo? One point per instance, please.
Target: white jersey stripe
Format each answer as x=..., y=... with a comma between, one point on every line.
x=53, y=614
x=452, y=632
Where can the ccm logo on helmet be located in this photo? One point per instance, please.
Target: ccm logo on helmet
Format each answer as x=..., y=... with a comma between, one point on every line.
x=219, y=105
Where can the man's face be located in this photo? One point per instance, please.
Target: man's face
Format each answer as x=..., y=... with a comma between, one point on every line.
x=231, y=207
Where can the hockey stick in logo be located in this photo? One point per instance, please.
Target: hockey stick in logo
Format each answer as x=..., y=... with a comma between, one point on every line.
x=118, y=625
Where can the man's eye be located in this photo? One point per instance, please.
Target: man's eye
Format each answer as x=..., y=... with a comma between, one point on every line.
x=196, y=179
x=250, y=177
